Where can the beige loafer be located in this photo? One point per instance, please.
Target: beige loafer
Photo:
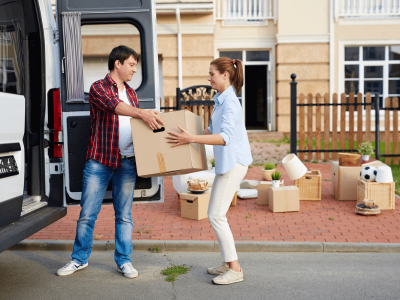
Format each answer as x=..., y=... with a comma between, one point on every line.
x=218, y=270
x=229, y=277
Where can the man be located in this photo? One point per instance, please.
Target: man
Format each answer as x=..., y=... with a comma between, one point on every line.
x=110, y=155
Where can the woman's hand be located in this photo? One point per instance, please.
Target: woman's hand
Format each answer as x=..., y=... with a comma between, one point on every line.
x=179, y=138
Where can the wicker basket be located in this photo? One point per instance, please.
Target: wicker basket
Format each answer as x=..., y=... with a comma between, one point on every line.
x=310, y=186
x=266, y=174
x=382, y=193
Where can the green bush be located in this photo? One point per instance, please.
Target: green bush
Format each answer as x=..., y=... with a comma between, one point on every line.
x=276, y=175
x=269, y=166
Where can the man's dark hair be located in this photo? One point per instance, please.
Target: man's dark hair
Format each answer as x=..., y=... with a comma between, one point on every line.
x=121, y=53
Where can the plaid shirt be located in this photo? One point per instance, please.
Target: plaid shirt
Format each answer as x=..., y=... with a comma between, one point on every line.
x=104, y=134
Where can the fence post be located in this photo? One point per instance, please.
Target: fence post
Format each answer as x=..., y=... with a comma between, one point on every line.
x=377, y=139
x=178, y=98
x=293, y=115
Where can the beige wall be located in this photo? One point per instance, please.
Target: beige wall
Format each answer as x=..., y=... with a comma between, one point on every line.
x=225, y=30
x=197, y=52
x=310, y=62
x=303, y=17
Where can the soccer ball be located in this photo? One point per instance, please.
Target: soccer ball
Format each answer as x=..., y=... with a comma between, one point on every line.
x=368, y=173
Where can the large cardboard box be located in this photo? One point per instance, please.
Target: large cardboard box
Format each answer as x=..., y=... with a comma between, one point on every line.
x=284, y=199
x=382, y=193
x=155, y=157
x=262, y=191
x=194, y=206
x=345, y=179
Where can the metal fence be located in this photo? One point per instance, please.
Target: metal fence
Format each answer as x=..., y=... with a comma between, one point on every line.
x=354, y=105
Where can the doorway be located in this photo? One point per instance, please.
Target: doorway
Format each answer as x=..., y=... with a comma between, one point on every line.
x=256, y=96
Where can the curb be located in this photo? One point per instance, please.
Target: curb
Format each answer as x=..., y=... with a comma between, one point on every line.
x=212, y=246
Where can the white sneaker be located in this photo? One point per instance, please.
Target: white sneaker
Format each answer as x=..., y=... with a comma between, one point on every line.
x=229, y=277
x=128, y=270
x=70, y=268
x=218, y=270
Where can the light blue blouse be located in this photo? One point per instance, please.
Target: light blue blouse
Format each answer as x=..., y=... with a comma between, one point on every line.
x=227, y=120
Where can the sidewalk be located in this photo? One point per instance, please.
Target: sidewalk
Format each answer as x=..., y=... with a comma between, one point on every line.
x=327, y=220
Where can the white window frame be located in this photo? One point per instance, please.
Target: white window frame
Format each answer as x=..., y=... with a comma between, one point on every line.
x=385, y=63
x=269, y=65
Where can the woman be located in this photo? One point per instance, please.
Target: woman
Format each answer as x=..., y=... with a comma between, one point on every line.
x=232, y=156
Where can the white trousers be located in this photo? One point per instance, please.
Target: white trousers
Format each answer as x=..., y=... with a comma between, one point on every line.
x=223, y=189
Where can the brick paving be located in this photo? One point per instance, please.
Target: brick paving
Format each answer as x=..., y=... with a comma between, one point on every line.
x=327, y=220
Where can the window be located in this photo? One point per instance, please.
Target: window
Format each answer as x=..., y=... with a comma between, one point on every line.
x=374, y=69
x=97, y=43
x=11, y=60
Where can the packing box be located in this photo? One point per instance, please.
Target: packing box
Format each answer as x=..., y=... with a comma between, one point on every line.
x=262, y=191
x=382, y=193
x=155, y=157
x=284, y=199
x=310, y=185
x=345, y=179
x=194, y=206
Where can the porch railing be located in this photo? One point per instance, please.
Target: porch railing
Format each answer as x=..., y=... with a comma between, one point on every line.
x=246, y=10
x=367, y=8
x=198, y=99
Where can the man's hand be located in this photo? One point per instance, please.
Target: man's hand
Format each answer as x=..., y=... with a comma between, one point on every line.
x=151, y=119
x=179, y=139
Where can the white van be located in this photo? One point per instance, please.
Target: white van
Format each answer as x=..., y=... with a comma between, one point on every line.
x=44, y=109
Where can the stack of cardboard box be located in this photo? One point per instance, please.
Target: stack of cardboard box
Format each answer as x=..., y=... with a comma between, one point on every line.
x=345, y=179
x=281, y=199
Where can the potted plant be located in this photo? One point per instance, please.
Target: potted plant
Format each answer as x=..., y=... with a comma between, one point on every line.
x=213, y=162
x=366, y=149
x=276, y=178
x=269, y=168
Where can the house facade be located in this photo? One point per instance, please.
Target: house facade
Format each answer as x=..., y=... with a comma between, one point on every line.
x=333, y=46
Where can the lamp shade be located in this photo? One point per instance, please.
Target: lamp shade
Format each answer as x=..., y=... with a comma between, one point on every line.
x=294, y=167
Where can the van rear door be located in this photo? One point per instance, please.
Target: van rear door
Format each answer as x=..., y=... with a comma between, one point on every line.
x=88, y=31
x=12, y=114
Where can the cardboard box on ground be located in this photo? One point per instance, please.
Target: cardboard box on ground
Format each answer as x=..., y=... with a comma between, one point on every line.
x=155, y=157
x=284, y=199
x=195, y=206
x=345, y=179
x=262, y=191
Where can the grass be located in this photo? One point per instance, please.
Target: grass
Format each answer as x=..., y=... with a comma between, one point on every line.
x=155, y=250
x=174, y=271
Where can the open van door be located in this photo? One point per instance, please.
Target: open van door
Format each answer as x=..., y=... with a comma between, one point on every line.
x=12, y=116
x=88, y=31
x=26, y=206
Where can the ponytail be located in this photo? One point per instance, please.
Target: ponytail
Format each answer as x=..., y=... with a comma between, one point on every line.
x=235, y=69
x=238, y=77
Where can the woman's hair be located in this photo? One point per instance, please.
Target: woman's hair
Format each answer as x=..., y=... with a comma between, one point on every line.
x=235, y=69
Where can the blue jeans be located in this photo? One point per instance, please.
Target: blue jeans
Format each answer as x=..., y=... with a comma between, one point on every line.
x=96, y=177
